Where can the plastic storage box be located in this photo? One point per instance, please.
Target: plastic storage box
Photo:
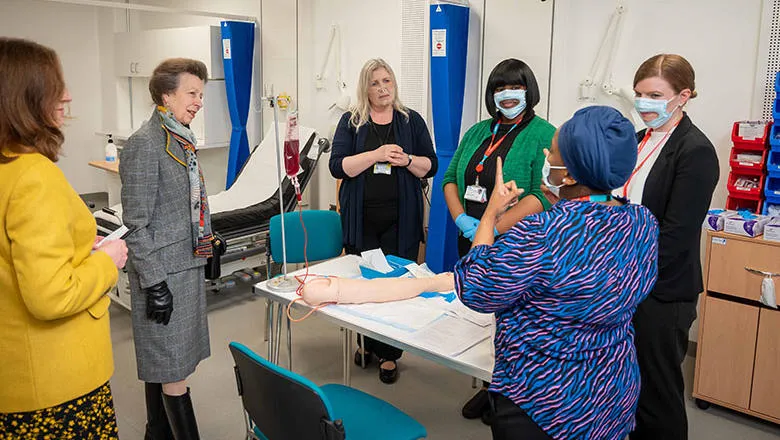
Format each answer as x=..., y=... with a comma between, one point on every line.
x=739, y=204
x=748, y=161
x=751, y=135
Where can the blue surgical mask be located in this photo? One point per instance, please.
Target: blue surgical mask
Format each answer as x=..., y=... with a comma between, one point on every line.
x=555, y=189
x=512, y=112
x=658, y=106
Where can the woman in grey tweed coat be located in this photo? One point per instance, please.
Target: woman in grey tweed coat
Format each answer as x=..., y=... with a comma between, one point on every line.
x=164, y=202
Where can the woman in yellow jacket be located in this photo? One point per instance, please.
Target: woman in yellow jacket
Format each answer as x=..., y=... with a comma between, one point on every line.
x=55, y=345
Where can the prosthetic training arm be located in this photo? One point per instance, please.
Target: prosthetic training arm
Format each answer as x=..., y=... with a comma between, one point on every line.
x=348, y=291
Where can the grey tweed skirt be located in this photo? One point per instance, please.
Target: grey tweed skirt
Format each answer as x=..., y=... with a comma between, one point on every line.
x=170, y=353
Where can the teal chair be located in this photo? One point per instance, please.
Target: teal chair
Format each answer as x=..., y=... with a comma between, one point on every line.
x=282, y=405
x=323, y=230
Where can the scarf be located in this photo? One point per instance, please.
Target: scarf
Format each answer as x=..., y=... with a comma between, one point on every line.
x=200, y=217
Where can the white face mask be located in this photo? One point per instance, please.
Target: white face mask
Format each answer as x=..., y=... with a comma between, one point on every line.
x=555, y=189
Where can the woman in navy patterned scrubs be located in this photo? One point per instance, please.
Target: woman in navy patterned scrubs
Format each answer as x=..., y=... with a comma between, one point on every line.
x=564, y=285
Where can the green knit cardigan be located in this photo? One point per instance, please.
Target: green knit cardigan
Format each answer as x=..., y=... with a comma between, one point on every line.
x=523, y=162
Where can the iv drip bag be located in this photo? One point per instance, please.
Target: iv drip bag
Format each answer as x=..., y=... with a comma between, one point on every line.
x=292, y=155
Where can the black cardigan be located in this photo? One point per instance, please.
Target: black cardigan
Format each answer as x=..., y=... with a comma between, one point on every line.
x=412, y=135
x=678, y=191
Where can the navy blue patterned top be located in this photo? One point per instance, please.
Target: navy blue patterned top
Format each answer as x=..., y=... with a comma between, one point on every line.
x=564, y=285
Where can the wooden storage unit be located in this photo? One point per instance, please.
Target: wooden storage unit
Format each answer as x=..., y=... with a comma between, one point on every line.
x=738, y=355
x=766, y=380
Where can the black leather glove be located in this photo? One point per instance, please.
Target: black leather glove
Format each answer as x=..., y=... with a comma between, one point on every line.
x=159, y=303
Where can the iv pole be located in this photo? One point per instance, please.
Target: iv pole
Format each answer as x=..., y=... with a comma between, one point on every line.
x=282, y=283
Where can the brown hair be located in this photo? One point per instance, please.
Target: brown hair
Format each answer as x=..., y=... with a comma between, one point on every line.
x=165, y=78
x=31, y=85
x=675, y=69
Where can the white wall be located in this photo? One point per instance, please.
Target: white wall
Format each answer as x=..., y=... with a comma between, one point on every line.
x=214, y=160
x=72, y=32
x=370, y=29
x=720, y=40
x=530, y=42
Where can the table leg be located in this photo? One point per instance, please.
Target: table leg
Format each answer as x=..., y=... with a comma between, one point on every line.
x=278, y=335
x=347, y=351
x=269, y=328
x=474, y=382
x=268, y=318
x=362, y=351
x=289, y=344
x=248, y=423
x=344, y=355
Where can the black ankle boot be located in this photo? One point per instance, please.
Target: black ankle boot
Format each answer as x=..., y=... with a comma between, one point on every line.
x=157, y=426
x=477, y=405
x=181, y=416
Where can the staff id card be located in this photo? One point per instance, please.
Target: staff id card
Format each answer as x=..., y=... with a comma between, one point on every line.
x=476, y=193
x=382, y=168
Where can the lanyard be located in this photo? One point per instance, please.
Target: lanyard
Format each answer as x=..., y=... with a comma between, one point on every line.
x=386, y=137
x=639, y=151
x=594, y=198
x=493, y=146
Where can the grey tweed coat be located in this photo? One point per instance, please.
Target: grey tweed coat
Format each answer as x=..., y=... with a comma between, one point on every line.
x=155, y=202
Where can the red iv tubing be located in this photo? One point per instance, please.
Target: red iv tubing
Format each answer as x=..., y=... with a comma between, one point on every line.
x=292, y=163
x=302, y=279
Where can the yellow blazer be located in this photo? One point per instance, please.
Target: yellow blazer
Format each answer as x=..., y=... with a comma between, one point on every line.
x=55, y=343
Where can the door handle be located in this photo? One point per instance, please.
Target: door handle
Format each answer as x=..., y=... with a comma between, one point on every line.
x=761, y=272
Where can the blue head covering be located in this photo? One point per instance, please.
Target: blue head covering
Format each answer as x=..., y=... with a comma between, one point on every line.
x=598, y=146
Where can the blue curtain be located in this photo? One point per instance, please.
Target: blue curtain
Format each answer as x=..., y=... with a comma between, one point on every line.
x=238, y=48
x=449, y=41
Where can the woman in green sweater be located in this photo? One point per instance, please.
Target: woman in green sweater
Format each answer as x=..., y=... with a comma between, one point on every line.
x=518, y=137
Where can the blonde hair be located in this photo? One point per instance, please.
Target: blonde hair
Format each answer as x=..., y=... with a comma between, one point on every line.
x=361, y=110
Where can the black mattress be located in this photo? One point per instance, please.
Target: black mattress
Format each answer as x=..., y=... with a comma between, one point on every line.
x=255, y=218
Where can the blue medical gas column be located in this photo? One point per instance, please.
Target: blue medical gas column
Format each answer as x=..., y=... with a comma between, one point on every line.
x=449, y=38
x=238, y=49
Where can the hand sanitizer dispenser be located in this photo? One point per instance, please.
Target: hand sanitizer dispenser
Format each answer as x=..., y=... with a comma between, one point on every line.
x=110, y=150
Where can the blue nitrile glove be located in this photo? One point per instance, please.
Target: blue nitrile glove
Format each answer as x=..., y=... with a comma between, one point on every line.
x=467, y=225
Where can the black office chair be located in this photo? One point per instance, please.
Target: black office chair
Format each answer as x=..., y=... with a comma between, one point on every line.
x=282, y=405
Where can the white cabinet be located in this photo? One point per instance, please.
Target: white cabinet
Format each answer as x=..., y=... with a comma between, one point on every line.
x=138, y=53
x=212, y=124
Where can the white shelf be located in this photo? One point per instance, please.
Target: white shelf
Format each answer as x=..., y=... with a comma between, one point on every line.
x=121, y=135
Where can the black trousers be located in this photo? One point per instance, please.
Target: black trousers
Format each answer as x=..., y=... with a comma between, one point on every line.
x=380, y=230
x=510, y=422
x=661, y=341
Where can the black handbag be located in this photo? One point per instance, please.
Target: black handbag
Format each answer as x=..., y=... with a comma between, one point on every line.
x=213, y=263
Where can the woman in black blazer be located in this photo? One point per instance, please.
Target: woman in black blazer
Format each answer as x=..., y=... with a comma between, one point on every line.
x=676, y=173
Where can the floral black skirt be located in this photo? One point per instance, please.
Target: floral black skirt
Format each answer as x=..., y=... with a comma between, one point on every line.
x=87, y=417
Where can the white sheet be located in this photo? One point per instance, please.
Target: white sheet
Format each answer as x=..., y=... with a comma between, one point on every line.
x=451, y=335
x=409, y=315
x=258, y=180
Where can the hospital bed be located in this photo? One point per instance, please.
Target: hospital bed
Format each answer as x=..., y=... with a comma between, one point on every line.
x=240, y=214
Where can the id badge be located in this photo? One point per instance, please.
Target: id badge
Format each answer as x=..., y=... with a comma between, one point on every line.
x=382, y=168
x=476, y=193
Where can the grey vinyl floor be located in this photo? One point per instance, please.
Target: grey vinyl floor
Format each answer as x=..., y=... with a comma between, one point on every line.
x=430, y=393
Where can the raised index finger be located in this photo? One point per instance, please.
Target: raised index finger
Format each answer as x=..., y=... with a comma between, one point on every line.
x=499, y=174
